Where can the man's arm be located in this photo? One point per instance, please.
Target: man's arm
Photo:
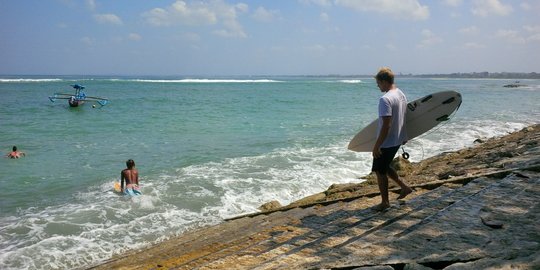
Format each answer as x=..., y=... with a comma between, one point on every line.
x=387, y=120
x=122, y=178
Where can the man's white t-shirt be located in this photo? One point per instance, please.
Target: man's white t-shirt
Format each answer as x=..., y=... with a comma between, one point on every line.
x=393, y=103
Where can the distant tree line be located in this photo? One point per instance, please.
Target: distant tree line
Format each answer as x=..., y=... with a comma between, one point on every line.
x=482, y=75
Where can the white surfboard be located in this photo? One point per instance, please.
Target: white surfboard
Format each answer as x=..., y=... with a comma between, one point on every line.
x=422, y=115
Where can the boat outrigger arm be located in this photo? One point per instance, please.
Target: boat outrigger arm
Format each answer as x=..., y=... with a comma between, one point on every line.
x=78, y=98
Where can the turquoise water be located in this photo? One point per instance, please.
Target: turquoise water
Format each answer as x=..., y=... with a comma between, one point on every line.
x=206, y=149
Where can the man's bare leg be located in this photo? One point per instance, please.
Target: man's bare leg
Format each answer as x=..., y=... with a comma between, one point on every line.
x=405, y=190
x=382, y=181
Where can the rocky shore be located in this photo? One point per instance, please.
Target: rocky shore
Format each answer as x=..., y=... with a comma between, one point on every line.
x=476, y=208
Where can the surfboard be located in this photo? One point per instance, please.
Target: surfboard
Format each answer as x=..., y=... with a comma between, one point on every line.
x=117, y=187
x=422, y=115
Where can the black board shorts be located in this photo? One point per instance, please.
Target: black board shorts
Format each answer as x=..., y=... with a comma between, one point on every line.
x=382, y=163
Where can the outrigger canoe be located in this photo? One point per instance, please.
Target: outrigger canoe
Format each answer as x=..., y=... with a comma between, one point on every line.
x=79, y=98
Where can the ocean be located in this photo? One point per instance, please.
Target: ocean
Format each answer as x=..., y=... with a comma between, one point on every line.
x=206, y=149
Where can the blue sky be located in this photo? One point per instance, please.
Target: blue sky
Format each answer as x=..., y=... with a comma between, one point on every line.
x=285, y=37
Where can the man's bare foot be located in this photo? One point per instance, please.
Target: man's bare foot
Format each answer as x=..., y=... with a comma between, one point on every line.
x=381, y=207
x=404, y=193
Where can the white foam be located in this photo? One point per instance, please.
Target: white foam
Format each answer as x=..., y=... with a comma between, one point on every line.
x=207, y=81
x=351, y=81
x=29, y=80
x=285, y=175
x=98, y=224
x=457, y=135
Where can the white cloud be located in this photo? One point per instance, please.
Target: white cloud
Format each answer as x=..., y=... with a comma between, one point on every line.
x=108, y=19
x=316, y=48
x=531, y=34
x=533, y=31
x=200, y=13
x=179, y=12
x=429, y=39
x=534, y=37
x=400, y=9
x=157, y=17
x=88, y=41
x=232, y=29
x=471, y=30
x=228, y=17
x=324, y=17
x=323, y=3
x=263, y=15
x=525, y=6
x=532, y=28
x=134, y=37
x=455, y=14
x=453, y=3
x=511, y=36
x=91, y=4
x=484, y=8
x=242, y=7
x=473, y=45
x=391, y=47
x=191, y=37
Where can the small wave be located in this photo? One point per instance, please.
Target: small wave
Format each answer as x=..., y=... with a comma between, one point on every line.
x=350, y=81
x=206, y=81
x=96, y=226
x=457, y=135
x=285, y=175
x=29, y=80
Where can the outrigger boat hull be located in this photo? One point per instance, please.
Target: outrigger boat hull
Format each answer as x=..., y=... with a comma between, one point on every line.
x=75, y=103
x=79, y=98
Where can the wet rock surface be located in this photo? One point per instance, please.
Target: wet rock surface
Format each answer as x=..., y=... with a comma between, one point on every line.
x=476, y=208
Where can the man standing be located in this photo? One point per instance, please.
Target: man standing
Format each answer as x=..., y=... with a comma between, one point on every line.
x=391, y=134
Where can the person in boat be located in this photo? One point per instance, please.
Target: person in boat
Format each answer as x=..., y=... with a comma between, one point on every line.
x=391, y=134
x=129, y=176
x=15, y=153
x=72, y=101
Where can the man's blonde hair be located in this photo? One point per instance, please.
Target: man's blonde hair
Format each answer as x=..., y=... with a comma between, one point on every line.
x=385, y=74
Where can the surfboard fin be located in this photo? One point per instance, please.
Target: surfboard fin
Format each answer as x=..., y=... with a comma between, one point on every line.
x=443, y=118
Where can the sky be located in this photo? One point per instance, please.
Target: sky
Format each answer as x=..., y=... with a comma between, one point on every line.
x=273, y=37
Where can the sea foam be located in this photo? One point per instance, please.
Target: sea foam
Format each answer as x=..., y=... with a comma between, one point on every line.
x=29, y=80
x=206, y=81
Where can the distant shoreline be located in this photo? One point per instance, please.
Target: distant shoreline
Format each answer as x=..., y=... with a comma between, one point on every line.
x=481, y=75
x=458, y=75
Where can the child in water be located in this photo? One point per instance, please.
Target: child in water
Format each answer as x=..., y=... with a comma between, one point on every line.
x=15, y=153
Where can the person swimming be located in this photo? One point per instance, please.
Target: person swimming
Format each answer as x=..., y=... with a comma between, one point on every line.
x=15, y=153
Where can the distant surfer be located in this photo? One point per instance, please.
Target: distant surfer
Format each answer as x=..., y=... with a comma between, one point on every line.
x=391, y=134
x=130, y=176
x=15, y=153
